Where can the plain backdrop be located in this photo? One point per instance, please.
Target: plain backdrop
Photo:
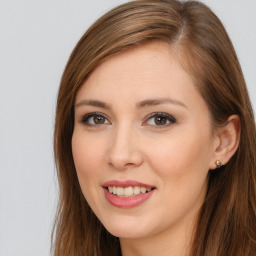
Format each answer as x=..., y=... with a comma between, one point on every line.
x=36, y=38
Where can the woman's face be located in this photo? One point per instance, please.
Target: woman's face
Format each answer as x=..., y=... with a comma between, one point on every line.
x=142, y=143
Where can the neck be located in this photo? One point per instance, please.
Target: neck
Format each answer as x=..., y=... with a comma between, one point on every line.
x=176, y=241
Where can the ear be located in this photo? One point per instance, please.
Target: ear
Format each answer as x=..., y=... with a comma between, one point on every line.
x=226, y=141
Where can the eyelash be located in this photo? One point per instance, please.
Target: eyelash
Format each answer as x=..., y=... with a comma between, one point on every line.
x=166, y=117
x=86, y=118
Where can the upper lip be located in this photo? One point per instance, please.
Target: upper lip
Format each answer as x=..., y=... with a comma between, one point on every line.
x=126, y=183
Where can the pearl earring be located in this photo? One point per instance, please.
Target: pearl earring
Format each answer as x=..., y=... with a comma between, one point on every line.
x=218, y=163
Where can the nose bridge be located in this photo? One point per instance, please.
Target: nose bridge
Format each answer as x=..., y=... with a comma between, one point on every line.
x=123, y=150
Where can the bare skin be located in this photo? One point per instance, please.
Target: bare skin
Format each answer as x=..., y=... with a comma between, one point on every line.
x=139, y=117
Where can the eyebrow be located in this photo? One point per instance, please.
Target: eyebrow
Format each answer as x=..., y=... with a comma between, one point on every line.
x=155, y=102
x=142, y=104
x=94, y=103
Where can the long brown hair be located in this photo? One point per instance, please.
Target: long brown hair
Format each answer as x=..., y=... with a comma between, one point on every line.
x=227, y=219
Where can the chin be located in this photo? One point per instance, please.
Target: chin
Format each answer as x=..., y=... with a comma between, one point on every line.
x=126, y=233
x=126, y=229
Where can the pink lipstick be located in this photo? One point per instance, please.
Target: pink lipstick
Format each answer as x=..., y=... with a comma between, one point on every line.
x=127, y=194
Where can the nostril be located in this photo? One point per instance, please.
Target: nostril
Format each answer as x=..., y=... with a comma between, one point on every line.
x=124, y=161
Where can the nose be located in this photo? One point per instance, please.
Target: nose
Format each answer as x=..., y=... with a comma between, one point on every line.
x=124, y=150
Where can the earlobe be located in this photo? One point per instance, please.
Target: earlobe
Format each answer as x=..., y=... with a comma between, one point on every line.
x=228, y=138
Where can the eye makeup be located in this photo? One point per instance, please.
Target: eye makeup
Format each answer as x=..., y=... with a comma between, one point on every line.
x=155, y=119
x=94, y=119
x=159, y=119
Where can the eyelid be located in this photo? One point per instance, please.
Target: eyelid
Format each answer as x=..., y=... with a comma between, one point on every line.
x=171, y=120
x=84, y=118
x=169, y=117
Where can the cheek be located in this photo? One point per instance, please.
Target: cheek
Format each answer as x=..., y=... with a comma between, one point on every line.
x=88, y=159
x=182, y=167
x=87, y=152
x=181, y=154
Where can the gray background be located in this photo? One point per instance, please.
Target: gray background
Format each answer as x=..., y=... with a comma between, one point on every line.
x=36, y=38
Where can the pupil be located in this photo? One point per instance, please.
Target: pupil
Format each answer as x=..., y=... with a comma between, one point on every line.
x=160, y=120
x=99, y=120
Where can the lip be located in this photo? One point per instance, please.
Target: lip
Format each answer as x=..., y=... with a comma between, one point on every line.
x=126, y=183
x=126, y=202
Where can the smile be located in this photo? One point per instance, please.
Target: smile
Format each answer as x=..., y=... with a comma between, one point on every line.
x=128, y=191
x=127, y=194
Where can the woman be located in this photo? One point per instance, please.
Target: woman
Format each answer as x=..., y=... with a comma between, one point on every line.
x=155, y=137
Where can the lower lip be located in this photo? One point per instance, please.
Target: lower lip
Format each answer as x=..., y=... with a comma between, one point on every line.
x=127, y=202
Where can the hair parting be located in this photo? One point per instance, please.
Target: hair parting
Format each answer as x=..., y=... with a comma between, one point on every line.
x=226, y=222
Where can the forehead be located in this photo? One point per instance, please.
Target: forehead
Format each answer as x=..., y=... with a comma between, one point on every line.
x=150, y=68
x=150, y=72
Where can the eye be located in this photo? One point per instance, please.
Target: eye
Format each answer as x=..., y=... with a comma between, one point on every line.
x=93, y=119
x=159, y=119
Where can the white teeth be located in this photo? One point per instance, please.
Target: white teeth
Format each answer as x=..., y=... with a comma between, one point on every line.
x=128, y=191
x=120, y=191
x=110, y=189
x=143, y=190
x=136, y=190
